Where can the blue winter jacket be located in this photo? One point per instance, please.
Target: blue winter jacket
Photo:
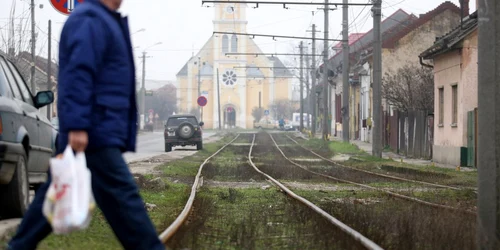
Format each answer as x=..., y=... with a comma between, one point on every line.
x=96, y=90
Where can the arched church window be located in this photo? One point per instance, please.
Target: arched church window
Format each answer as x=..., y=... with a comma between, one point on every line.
x=234, y=43
x=225, y=44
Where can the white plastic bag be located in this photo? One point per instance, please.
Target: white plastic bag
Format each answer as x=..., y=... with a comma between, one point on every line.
x=69, y=200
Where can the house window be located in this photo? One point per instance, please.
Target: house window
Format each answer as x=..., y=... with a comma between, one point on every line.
x=454, y=104
x=441, y=106
x=234, y=43
x=225, y=44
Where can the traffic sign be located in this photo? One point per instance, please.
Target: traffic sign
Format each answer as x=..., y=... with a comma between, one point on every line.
x=202, y=101
x=266, y=112
x=65, y=7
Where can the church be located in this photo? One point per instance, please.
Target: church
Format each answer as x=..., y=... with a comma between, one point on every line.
x=245, y=81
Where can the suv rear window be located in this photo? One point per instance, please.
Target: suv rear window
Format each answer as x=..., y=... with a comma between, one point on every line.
x=173, y=122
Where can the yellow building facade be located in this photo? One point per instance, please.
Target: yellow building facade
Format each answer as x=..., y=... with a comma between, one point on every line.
x=245, y=81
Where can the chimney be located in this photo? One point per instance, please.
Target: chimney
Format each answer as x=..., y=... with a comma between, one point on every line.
x=465, y=7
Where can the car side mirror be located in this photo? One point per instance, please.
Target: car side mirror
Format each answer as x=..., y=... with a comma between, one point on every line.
x=44, y=98
x=201, y=124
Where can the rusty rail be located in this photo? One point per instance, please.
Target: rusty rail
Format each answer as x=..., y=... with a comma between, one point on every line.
x=377, y=174
x=404, y=197
x=353, y=233
x=170, y=231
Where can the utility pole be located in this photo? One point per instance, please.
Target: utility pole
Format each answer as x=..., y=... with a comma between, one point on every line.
x=33, y=43
x=326, y=86
x=345, y=73
x=301, y=127
x=377, y=80
x=49, y=69
x=488, y=150
x=218, y=99
x=199, y=84
x=143, y=88
x=313, y=82
x=309, y=93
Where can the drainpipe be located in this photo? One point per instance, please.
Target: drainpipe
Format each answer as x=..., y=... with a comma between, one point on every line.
x=424, y=64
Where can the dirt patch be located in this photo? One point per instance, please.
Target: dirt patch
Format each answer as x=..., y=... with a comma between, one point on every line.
x=240, y=171
x=234, y=184
x=151, y=184
x=415, y=173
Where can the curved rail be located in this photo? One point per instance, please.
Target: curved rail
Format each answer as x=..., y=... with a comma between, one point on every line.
x=170, y=231
x=377, y=174
x=404, y=197
x=356, y=235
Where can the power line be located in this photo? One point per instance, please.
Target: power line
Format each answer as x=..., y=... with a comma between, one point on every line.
x=257, y=67
x=269, y=54
x=273, y=36
x=257, y=3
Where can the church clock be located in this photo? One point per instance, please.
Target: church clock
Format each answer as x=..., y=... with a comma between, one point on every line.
x=230, y=9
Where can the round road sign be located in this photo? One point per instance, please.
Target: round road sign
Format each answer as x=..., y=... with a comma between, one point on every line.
x=202, y=101
x=65, y=7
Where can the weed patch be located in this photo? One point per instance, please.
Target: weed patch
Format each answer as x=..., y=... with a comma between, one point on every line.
x=256, y=219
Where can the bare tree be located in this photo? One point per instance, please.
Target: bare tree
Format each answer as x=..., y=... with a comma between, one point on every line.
x=257, y=113
x=195, y=112
x=410, y=88
x=282, y=108
x=15, y=40
x=163, y=101
x=16, y=36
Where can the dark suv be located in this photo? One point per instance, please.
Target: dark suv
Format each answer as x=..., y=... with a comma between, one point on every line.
x=27, y=140
x=183, y=130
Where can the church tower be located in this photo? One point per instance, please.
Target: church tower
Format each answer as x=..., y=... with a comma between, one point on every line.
x=245, y=82
x=232, y=75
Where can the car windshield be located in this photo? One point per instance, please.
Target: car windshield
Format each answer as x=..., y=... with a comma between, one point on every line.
x=172, y=122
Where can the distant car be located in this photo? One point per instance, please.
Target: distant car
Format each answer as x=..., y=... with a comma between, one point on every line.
x=183, y=130
x=266, y=124
x=27, y=140
x=288, y=127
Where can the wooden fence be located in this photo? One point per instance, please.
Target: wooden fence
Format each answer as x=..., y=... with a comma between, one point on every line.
x=410, y=133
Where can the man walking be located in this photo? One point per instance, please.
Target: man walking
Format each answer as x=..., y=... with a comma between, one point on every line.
x=97, y=114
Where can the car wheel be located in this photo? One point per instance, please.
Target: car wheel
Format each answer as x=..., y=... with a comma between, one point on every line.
x=199, y=146
x=168, y=147
x=16, y=193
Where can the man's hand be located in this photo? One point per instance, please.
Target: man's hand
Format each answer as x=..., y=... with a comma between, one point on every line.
x=78, y=140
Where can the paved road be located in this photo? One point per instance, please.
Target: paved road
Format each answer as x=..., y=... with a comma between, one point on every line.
x=151, y=144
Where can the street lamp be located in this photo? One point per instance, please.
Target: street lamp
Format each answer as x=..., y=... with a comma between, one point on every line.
x=143, y=88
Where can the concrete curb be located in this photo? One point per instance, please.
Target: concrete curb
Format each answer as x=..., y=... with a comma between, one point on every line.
x=8, y=227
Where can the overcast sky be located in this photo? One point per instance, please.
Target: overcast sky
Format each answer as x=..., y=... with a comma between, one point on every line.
x=183, y=26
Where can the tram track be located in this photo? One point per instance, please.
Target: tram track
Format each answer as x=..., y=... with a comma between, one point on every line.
x=217, y=209
x=308, y=205
x=393, y=194
x=379, y=174
x=369, y=244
